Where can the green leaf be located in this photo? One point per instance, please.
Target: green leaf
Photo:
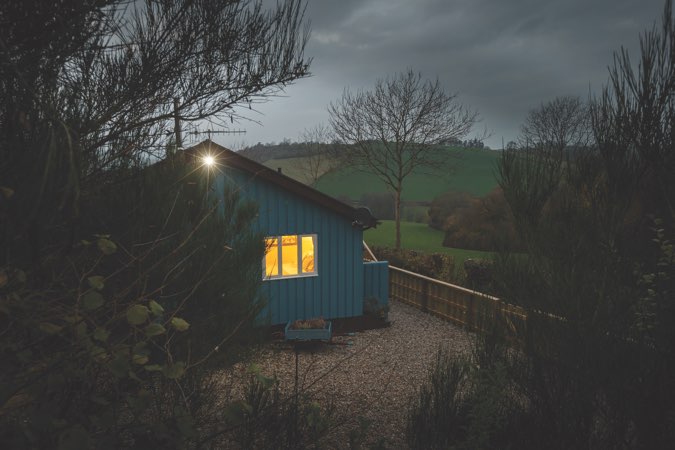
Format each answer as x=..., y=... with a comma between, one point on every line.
x=98, y=353
x=92, y=300
x=97, y=282
x=153, y=368
x=265, y=382
x=106, y=246
x=156, y=308
x=179, y=324
x=140, y=353
x=137, y=314
x=50, y=328
x=139, y=359
x=174, y=371
x=101, y=334
x=141, y=348
x=154, y=329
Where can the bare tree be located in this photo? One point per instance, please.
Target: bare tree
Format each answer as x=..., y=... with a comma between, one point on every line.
x=318, y=152
x=87, y=86
x=558, y=124
x=87, y=92
x=395, y=128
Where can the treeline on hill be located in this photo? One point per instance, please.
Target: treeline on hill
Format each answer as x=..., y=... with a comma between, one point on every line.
x=286, y=149
x=596, y=366
x=476, y=223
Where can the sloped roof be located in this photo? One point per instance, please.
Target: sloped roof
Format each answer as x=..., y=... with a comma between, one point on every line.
x=360, y=217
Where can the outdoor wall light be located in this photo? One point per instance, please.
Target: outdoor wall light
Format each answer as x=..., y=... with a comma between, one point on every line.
x=209, y=161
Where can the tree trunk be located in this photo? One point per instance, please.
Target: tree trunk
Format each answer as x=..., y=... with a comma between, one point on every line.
x=397, y=217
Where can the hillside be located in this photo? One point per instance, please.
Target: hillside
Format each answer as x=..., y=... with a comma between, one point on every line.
x=290, y=167
x=474, y=173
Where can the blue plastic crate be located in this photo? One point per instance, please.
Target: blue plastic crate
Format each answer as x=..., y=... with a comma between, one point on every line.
x=310, y=334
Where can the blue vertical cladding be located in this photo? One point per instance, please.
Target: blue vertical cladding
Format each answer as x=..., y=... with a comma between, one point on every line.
x=338, y=289
x=376, y=281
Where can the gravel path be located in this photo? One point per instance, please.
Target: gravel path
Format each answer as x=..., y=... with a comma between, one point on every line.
x=374, y=377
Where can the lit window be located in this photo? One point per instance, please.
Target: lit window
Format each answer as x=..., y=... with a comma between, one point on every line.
x=290, y=256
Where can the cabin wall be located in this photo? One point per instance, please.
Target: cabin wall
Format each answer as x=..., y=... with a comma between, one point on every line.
x=376, y=284
x=338, y=289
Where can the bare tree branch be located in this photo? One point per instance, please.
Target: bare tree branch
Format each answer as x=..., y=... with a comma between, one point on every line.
x=397, y=128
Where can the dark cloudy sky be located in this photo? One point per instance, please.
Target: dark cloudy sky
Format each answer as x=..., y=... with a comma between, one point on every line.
x=503, y=57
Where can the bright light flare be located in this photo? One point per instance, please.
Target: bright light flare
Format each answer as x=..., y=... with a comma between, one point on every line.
x=209, y=161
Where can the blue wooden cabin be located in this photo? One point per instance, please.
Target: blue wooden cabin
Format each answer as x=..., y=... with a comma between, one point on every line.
x=314, y=262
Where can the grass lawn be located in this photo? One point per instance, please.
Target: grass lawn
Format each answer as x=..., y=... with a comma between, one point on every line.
x=474, y=173
x=418, y=237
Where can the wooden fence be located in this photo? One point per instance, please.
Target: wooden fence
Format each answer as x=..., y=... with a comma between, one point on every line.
x=470, y=309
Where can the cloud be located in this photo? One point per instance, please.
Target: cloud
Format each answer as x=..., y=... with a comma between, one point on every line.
x=502, y=57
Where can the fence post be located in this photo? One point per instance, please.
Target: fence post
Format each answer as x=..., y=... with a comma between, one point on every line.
x=471, y=313
x=425, y=295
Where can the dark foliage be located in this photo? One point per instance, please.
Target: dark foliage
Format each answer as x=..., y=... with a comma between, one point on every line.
x=596, y=366
x=445, y=205
x=482, y=224
x=436, y=265
x=381, y=204
x=120, y=283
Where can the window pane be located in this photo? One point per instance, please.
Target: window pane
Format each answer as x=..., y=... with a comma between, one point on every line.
x=271, y=263
x=289, y=255
x=307, y=254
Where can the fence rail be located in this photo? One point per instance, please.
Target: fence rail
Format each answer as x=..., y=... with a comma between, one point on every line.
x=471, y=309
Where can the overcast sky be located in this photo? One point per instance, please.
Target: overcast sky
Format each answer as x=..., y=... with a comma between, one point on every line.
x=503, y=57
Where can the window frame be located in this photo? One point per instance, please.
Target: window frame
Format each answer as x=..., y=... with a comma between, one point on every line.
x=300, y=273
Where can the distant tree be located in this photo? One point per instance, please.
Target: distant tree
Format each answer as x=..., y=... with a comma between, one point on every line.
x=445, y=205
x=397, y=127
x=381, y=204
x=481, y=224
x=511, y=145
x=558, y=124
x=318, y=152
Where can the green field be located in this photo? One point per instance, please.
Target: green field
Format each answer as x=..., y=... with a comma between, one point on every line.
x=473, y=173
x=418, y=237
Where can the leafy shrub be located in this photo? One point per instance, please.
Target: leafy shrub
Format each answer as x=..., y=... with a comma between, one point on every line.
x=100, y=342
x=482, y=224
x=445, y=205
x=372, y=307
x=265, y=419
x=381, y=204
x=465, y=403
x=436, y=265
x=479, y=274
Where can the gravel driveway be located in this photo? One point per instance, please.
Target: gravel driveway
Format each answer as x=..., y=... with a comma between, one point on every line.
x=371, y=374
